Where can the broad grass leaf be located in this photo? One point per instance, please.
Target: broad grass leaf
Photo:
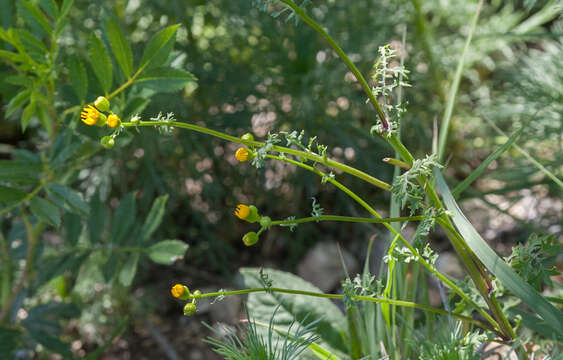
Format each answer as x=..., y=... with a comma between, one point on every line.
x=120, y=47
x=302, y=309
x=45, y=211
x=158, y=48
x=101, y=63
x=167, y=251
x=496, y=265
x=165, y=79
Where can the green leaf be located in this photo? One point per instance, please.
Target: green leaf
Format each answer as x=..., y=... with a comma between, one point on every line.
x=23, y=172
x=129, y=269
x=167, y=251
x=109, y=269
x=536, y=324
x=123, y=219
x=17, y=101
x=45, y=211
x=101, y=63
x=496, y=265
x=8, y=194
x=134, y=106
x=477, y=172
x=303, y=309
x=50, y=7
x=121, y=48
x=96, y=220
x=158, y=48
x=73, y=227
x=78, y=77
x=37, y=15
x=65, y=7
x=154, y=218
x=27, y=113
x=69, y=196
x=165, y=79
x=10, y=340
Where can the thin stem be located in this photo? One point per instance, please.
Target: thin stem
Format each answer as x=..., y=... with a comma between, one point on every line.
x=345, y=59
x=341, y=297
x=345, y=219
x=24, y=199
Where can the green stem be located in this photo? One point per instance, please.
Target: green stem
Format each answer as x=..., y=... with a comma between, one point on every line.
x=346, y=219
x=303, y=154
x=344, y=58
x=24, y=199
x=341, y=297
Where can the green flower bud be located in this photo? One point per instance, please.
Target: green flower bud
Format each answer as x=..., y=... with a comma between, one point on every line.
x=197, y=294
x=250, y=238
x=265, y=222
x=107, y=142
x=102, y=119
x=247, y=137
x=102, y=103
x=189, y=309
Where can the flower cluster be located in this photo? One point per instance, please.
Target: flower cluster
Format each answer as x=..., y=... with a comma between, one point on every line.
x=182, y=292
x=94, y=115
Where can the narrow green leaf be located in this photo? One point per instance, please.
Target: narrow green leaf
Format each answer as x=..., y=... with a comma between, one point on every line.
x=27, y=113
x=167, y=251
x=129, y=269
x=496, y=265
x=96, y=220
x=45, y=211
x=299, y=308
x=158, y=47
x=121, y=48
x=17, y=101
x=32, y=41
x=536, y=324
x=101, y=63
x=65, y=7
x=8, y=194
x=452, y=93
x=38, y=16
x=73, y=227
x=20, y=171
x=165, y=79
x=50, y=7
x=71, y=197
x=123, y=219
x=154, y=218
x=483, y=166
x=78, y=77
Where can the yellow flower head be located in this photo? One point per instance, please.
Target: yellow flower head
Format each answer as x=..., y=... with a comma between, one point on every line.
x=180, y=291
x=241, y=154
x=89, y=115
x=113, y=120
x=242, y=211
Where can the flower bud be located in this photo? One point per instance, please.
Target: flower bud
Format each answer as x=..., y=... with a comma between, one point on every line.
x=242, y=154
x=196, y=294
x=113, y=120
x=247, y=213
x=102, y=119
x=189, y=309
x=250, y=238
x=247, y=137
x=101, y=103
x=265, y=221
x=180, y=291
x=107, y=142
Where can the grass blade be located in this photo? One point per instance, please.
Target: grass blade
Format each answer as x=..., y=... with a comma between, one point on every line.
x=496, y=265
x=455, y=86
x=477, y=172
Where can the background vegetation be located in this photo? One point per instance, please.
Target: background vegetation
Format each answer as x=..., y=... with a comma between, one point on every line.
x=254, y=73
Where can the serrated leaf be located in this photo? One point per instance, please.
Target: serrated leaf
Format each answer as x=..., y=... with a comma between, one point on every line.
x=123, y=219
x=129, y=269
x=101, y=63
x=165, y=79
x=8, y=194
x=78, y=77
x=120, y=47
x=302, y=309
x=167, y=251
x=45, y=211
x=71, y=197
x=154, y=218
x=496, y=265
x=158, y=48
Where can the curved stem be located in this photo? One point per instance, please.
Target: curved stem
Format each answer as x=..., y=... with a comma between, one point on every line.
x=345, y=219
x=341, y=297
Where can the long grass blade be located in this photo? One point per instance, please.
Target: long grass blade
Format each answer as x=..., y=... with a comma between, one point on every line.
x=455, y=86
x=496, y=265
x=477, y=172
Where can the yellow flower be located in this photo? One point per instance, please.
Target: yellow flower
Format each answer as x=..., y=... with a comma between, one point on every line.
x=113, y=120
x=89, y=115
x=242, y=211
x=180, y=291
x=242, y=154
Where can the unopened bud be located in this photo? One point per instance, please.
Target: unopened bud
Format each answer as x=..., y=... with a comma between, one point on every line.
x=102, y=103
x=107, y=142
